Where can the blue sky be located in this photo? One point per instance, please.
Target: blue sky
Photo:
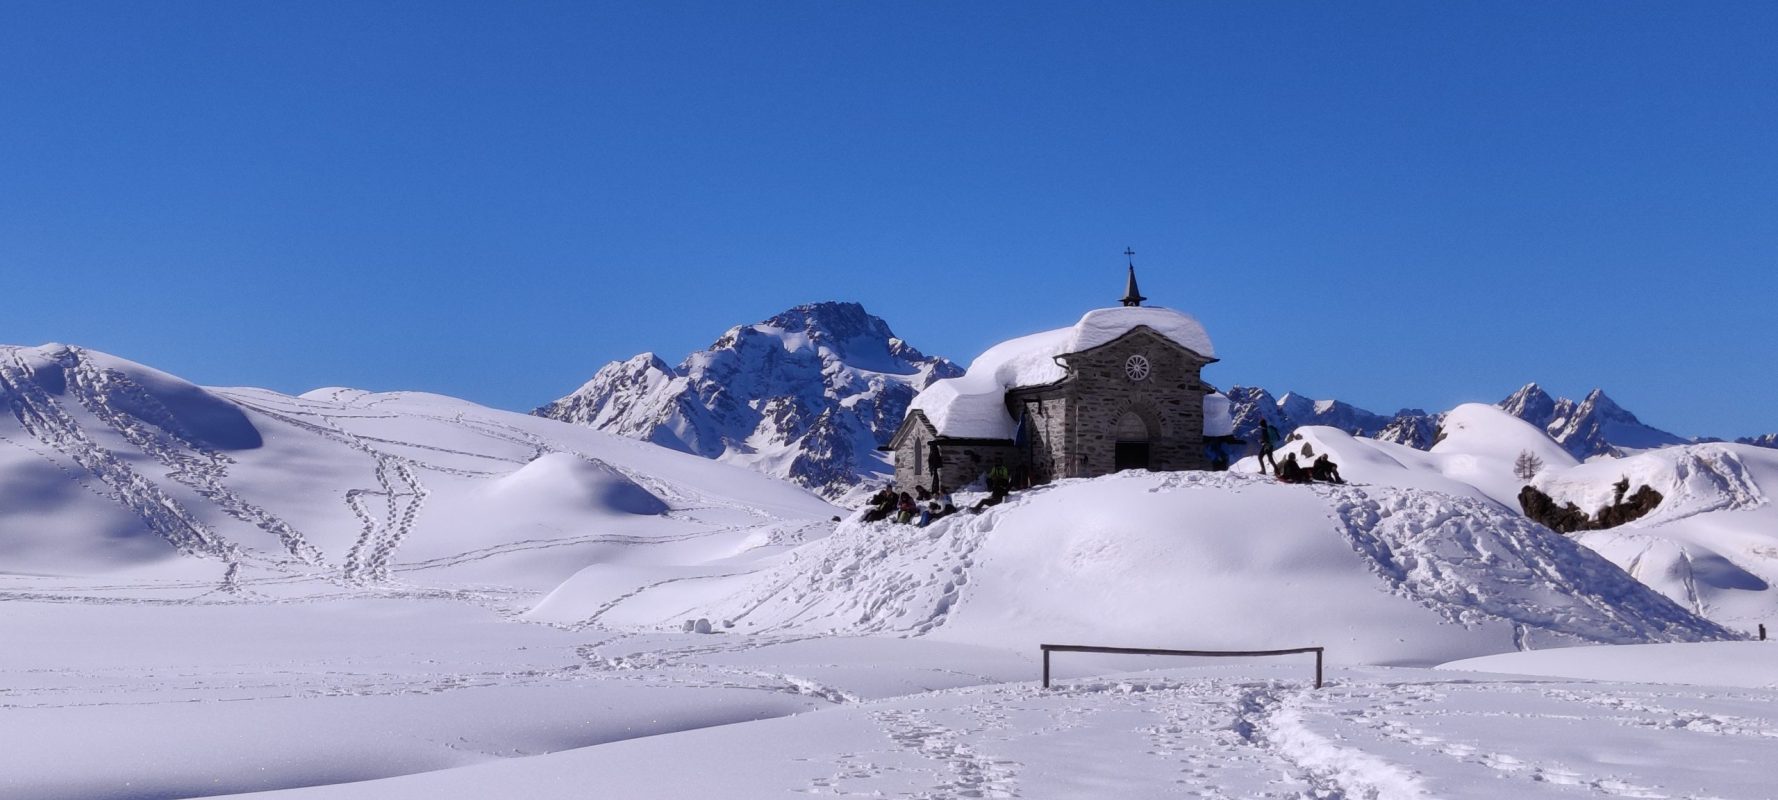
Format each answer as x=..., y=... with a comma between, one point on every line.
x=1394, y=204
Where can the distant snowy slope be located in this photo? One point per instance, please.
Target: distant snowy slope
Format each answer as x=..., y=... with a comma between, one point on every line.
x=108, y=465
x=807, y=396
x=1473, y=456
x=1711, y=544
x=1593, y=426
x=1189, y=560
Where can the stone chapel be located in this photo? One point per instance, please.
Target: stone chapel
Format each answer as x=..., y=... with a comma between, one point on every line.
x=1120, y=389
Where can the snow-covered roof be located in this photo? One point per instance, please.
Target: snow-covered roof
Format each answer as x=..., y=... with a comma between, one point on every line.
x=1102, y=325
x=974, y=406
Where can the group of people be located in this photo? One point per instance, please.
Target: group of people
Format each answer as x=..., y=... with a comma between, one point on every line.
x=1291, y=471
x=1323, y=470
x=920, y=508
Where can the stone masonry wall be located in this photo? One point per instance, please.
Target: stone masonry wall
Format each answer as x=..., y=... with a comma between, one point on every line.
x=1048, y=420
x=1170, y=401
x=963, y=464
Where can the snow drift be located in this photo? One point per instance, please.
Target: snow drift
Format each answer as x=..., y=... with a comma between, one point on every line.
x=1200, y=560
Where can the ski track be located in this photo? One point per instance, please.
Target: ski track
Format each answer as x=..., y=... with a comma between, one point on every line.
x=45, y=419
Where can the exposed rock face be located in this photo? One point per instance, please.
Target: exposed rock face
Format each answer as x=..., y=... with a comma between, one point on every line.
x=807, y=395
x=1568, y=517
x=1593, y=426
x=1412, y=427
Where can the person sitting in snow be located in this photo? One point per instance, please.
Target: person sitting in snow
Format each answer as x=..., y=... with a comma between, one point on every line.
x=944, y=501
x=881, y=504
x=1325, y=470
x=999, y=480
x=1292, y=472
x=904, y=508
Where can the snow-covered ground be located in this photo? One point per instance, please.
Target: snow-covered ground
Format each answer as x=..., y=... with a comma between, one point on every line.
x=1710, y=546
x=345, y=594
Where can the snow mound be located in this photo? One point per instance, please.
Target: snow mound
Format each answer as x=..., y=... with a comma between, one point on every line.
x=127, y=393
x=107, y=466
x=1473, y=457
x=1208, y=560
x=1369, y=461
x=1480, y=444
x=576, y=483
x=973, y=406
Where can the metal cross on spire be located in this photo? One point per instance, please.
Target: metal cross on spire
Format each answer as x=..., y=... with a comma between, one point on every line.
x=1132, y=297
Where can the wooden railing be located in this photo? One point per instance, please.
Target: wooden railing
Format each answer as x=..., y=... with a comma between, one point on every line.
x=1143, y=651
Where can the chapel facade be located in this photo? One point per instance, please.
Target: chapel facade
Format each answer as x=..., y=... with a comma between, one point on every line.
x=1122, y=389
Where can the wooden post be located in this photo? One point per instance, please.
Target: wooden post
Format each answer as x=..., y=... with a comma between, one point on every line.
x=1317, y=667
x=1046, y=668
x=1762, y=631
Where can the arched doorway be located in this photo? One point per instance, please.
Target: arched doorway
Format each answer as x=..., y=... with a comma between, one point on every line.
x=1131, y=450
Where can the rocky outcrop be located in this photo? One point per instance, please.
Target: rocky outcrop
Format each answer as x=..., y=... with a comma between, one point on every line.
x=1569, y=518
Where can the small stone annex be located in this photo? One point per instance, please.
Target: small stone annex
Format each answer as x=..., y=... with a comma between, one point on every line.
x=1120, y=389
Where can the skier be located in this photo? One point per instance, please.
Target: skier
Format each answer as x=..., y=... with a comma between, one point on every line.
x=1268, y=440
x=936, y=460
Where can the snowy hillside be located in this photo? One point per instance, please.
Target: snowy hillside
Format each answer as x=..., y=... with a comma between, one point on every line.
x=1711, y=544
x=108, y=465
x=807, y=396
x=1593, y=426
x=1474, y=458
x=1205, y=560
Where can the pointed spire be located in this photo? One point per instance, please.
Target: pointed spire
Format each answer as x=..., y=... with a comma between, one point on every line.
x=1132, y=297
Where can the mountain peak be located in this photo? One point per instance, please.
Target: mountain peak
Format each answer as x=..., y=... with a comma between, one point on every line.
x=808, y=394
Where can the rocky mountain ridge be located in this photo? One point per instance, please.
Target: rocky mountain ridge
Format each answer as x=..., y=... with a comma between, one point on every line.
x=807, y=395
